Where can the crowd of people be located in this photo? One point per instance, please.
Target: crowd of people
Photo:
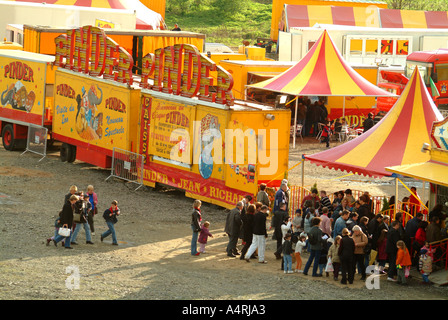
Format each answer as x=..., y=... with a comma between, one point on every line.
x=79, y=210
x=341, y=236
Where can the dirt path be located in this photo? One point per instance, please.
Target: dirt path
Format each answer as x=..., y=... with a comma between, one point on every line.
x=152, y=260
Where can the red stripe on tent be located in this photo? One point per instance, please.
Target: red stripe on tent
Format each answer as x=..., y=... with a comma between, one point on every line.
x=297, y=16
x=391, y=18
x=318, y=81
x=116, y=4
x=343, y=16
x=141, y=25
x=83, y=3
x=436, y=19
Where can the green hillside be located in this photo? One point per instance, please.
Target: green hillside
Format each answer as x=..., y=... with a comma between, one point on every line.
x=225, y=21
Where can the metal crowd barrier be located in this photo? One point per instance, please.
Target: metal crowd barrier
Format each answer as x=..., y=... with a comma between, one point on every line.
x=127, y=165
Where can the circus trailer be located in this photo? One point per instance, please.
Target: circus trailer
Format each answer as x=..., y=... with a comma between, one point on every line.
x=198, y=138
x=26, y=97
x=96, y=101
x=92, y=116
x=215, y=153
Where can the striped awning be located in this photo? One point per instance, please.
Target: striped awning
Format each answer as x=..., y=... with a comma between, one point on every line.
x=146, y=18
x=394, y=141
x=309, y=15
x=322, y=72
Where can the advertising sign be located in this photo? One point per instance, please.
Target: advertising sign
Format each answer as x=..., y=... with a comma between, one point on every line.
x=22, y=89
x=92, y=111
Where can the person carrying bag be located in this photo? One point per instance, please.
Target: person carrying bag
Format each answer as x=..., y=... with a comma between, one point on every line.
x=66, y=222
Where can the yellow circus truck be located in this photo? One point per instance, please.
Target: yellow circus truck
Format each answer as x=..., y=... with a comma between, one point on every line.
x=26, y=95
x=214, y=153
x=93, y=115
x=186, y=127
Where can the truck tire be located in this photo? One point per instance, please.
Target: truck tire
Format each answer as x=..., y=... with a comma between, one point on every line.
x=64, y=152
x=72, y=153
x=8, y=137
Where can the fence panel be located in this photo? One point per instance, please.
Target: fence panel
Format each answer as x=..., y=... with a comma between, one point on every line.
x=37, y=141
x=127, y=165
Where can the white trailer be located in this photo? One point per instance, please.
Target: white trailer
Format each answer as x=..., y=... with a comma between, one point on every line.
x=363, y=45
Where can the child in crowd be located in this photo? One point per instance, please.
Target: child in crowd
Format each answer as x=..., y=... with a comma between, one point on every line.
x=298, y=252
x=287, y=251
x=403, y=262
x=333, y=254
x=323, y=254
x=203, y=236
x=425, y=265
x=326, y=133
x=382, y=255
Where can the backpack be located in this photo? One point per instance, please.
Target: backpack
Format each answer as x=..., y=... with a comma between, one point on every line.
x=312, y=239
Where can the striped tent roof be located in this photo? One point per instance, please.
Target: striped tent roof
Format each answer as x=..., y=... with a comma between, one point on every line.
x=396, y=140
x=322, y=72
x=146, y=18
x=296, y=16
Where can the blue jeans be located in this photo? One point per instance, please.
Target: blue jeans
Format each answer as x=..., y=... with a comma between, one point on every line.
x=194, y=242
x=111, y=230
x=86, y=229
x=287, y=262
x=67, y=239
x=314, y=255
x=425, y=277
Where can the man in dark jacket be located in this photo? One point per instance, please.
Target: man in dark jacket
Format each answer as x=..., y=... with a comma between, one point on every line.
x=368, y=123
x=277, y=220
x=66, y=220
x=346, y=253
x=364, y=209
x=412, y=225
x=259, y=235
x=315, y=240
x=391, y=249
x=110, y=215
x=233, y=229
x=373, y=229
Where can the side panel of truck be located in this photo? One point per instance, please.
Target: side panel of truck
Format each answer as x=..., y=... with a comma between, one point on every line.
x=95, y=115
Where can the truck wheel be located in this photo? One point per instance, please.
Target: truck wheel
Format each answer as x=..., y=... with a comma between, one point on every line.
x=72, y=153
x=8, y=137
x=64, y=152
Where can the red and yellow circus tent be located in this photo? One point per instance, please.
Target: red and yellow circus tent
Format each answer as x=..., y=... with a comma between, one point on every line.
x=147, y=19
x=322, y=72
x=396, y=140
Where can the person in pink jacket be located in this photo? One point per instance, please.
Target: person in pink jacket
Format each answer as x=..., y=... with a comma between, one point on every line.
x=203, y=236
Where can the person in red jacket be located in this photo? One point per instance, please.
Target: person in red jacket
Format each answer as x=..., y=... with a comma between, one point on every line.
x=403, y=262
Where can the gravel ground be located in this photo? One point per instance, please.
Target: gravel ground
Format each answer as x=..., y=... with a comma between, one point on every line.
x=152, y=260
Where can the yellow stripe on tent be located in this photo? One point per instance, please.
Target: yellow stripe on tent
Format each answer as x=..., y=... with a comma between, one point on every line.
x=338, y=79
x=321, y=15
x=413, y=19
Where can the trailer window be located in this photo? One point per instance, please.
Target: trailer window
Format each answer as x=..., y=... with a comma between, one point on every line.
x=371, y=47
x=402, y=47
x=356, y=46
x=424, y=68
x=442, y=71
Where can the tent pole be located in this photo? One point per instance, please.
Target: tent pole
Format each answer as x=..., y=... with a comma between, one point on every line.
x=396, y=197
x=295, y=125
x=343, y=107
x=302, y=191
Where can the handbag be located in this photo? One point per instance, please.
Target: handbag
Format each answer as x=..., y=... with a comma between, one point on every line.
x=77, y=217
x=329, y=266
x=64, y=232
